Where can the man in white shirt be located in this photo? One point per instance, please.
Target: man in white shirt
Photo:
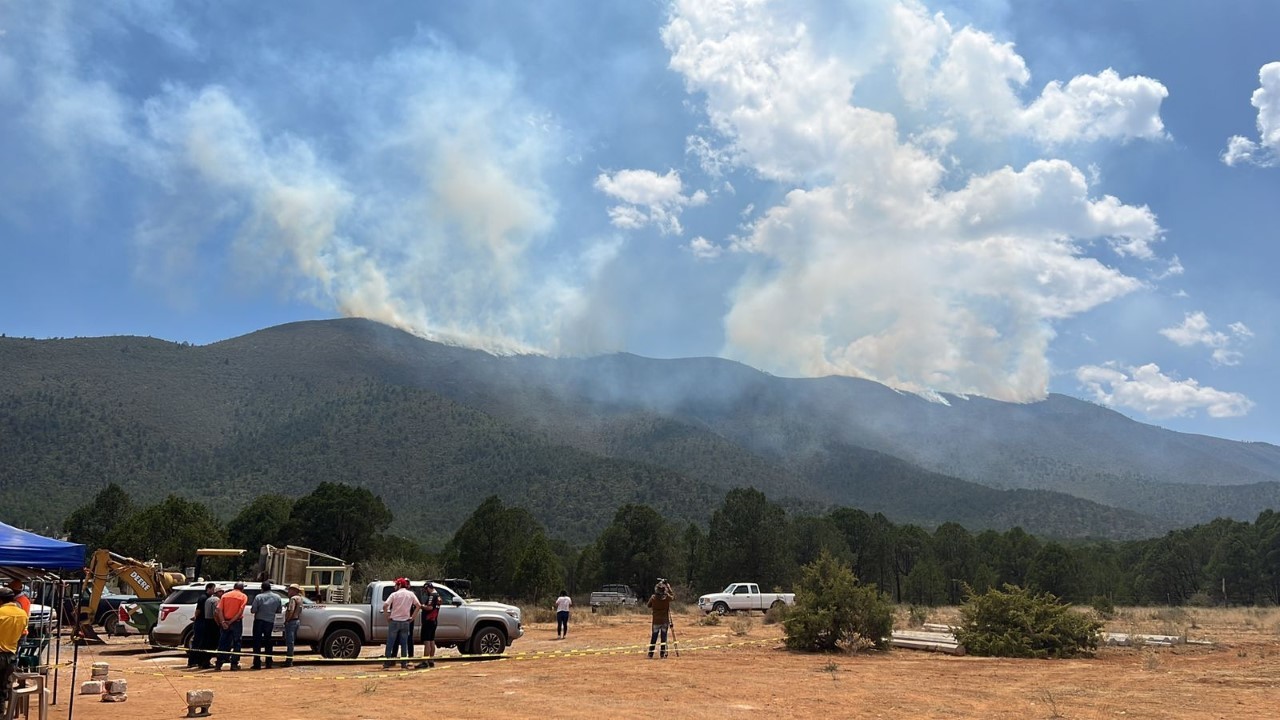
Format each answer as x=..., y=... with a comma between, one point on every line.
x=401, y=607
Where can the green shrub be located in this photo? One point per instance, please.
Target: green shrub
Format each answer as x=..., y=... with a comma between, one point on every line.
x=1102, y=605
x=775, y=614
x=917, y=616
x=1014, y=622
x=710, y=620
x=833, y=611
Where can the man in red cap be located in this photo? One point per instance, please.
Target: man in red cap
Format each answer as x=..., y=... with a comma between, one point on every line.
x=401, y=607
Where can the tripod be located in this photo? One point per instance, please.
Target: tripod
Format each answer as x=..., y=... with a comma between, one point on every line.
x=675, y=643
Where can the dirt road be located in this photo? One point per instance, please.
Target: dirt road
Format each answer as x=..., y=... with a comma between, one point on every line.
x=729, y=670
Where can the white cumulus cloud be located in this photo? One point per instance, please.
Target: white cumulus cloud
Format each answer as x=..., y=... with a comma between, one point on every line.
x=1265, y=151
x=647, y=198
x=704, y=249
x=976, y=78
x=1195, y=329
x=1148, y=390
x=869, y=266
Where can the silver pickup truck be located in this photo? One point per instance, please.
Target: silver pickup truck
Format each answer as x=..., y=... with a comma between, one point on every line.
x=474, y=627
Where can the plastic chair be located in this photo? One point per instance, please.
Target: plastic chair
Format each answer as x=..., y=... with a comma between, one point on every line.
x=29, y=684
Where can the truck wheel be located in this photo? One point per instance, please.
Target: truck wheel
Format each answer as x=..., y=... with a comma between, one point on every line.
x=720, y=608
x=111, y=625
x=776, y=604
x=341, y=643
x=487, y=641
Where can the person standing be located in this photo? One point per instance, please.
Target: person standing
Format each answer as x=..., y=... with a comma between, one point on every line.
x=265, y=608
x=20, y=597
x=430, y=620
x=13, y=623
x=195, y=658
x=231, y=623
x=563, y=603
x=212, y=631
x=660, y=603
x=292, y=619
x=401, y=607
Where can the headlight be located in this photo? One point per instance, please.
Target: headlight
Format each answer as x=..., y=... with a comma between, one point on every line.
x=514, y=612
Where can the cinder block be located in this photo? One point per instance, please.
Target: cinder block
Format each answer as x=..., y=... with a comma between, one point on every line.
x=91, y=687
x=116, y=687
x=108, y=697
x=199, y=697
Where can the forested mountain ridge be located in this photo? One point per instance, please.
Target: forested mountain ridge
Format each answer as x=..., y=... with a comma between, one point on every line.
x=435, y=428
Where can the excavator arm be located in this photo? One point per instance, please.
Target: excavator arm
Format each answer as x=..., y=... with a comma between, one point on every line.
x=146, y=580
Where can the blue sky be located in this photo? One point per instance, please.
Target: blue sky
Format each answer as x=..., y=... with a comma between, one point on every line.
x=981, y=198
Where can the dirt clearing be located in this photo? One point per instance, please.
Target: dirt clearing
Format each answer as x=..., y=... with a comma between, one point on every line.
x=601, y=671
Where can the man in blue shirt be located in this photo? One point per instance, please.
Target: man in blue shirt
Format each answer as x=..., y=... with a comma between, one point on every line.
x=265, y=608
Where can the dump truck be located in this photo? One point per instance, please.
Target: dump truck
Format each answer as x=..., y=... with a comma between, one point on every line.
x=323, y=578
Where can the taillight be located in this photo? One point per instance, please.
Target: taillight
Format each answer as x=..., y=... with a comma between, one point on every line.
x=165, y=610
x=122, y=614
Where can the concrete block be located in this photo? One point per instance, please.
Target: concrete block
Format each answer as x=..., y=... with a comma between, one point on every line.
x=116, y=687
x=199, y=697
x=108, y=697
x=91, y=687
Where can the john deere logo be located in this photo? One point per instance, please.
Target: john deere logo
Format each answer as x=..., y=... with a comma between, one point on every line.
x=143, y=584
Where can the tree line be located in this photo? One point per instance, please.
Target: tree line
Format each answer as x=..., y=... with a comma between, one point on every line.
x=506, y=552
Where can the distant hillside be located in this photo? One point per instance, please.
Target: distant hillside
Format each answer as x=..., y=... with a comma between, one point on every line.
x=434, y=429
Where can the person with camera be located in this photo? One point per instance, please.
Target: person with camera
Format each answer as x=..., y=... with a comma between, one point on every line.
x=660, y=603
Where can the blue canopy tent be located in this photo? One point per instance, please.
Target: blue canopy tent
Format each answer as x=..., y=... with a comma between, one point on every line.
x=36, y=560
x=20, y=549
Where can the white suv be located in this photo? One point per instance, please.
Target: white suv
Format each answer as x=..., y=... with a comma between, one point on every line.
x=174, y=626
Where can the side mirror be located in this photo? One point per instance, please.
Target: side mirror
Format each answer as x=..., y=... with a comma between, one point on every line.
x=457, y=602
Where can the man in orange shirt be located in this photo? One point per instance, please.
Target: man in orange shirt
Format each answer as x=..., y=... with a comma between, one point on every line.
x=231, y=620
x=13, y=623
x=20, y=595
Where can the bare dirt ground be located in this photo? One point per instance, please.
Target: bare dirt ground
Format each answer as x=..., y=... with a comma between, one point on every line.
x=735, y=669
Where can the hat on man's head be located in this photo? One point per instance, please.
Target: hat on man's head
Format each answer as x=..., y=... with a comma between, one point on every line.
x=295, y=586
x=6, y=595
x=402, y=582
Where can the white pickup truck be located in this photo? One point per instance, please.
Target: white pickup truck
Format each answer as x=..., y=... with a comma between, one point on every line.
x=743, y=596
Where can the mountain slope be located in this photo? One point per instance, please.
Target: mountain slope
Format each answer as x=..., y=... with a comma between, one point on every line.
x=435, y=428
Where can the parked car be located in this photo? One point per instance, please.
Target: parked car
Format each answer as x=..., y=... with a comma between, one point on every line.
x=474, y=627
x=174, y=626
x=743, y=596
x=613, y=595
x=42, y=620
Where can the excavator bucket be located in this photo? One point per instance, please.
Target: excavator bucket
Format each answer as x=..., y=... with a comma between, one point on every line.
x=85, y=633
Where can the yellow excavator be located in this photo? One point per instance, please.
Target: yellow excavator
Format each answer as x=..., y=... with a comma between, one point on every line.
x=147, y=580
